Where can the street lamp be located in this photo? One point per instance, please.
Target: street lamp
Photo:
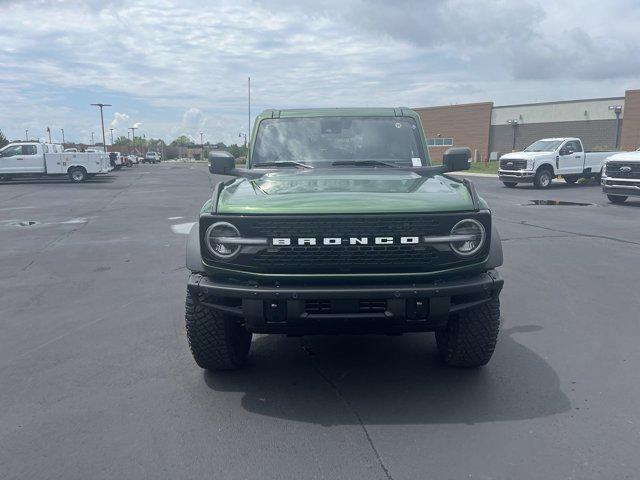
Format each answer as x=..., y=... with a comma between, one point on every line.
x=101, y=105
x=617, y=109
x=62, y=130
x=240, y=135
x=201, y=147
x=92, y=142
x=514, y=123
x=49, y=132
x=26, y=135
x=133, y=135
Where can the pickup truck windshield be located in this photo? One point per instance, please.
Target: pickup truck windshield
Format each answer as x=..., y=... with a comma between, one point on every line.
x=543, y=146
x=321, y=141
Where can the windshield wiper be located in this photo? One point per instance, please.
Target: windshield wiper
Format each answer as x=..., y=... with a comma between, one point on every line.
x=363, y=163
x=284, y=163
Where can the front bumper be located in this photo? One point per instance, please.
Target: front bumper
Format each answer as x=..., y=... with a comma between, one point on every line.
x=518, y=176
x=307, y=309
x=627, y=187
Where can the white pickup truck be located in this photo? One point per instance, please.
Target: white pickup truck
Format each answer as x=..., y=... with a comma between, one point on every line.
x=548, y=158
x=34, y=159
x=621, y=176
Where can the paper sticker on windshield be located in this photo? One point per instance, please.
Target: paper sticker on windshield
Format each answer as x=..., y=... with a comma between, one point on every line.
x=416, y=162
x=398, y=125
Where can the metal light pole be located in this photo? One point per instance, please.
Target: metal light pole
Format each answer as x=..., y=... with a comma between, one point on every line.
x=111, y=129
x=201, y=147
x=249, y=97
x=49, y=132
x=514, y=124
x=617, y=109
x=26, y=135
x=92, y=141
x=62, y=130
x=133, y=134
x=101, y=105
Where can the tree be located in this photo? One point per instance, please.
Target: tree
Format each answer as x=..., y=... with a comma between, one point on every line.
x=3, y=140
x=237, y=150
x=122, y=141
x=182, y=141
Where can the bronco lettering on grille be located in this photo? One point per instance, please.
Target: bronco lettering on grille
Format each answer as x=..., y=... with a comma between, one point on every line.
x=344, y=241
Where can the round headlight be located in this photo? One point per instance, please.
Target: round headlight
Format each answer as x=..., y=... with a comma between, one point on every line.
x=472, y=237
x=219, y=238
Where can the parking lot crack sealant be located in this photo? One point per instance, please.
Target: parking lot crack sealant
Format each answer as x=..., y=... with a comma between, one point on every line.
x=577, y=234
x=349, y=406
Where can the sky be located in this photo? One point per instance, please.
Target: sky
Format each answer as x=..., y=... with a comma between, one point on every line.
x=175, y=68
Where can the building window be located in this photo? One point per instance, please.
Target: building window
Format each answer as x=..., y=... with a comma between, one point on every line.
x=440, y=142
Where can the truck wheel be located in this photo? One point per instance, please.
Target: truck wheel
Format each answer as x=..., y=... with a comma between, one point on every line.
x=510, y=184
x=571, y=179
x=617, y=198
x=543, y=178
x=78, y=175
x=217, y=341
x=469, y=338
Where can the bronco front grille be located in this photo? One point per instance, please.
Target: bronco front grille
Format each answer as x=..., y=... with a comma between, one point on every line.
x=623, y=170
x=345, y=258
x=513, y=164
x=348, y=225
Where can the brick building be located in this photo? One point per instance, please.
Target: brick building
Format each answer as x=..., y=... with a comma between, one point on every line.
x=491, y=131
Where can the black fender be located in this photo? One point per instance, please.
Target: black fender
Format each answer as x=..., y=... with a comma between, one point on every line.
x=495, y=249
x=194, y=259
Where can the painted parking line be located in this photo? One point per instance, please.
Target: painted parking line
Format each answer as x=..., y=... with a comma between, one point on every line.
x=182, y=228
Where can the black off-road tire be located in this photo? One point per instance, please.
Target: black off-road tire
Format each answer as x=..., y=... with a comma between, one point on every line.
x=77, y=175
x=617, y=198
x=217, y=341
x=540, y=179
x=571, y=179
x=469, y=338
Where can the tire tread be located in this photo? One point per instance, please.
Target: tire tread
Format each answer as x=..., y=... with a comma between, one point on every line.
x=217, y=342
x=470, y=337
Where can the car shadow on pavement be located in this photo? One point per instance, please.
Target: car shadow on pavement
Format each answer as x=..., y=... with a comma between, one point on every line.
x=342, y=380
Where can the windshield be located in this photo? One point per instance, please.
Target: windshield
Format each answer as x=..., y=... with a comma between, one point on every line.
x=320, y=141
x=543, y=146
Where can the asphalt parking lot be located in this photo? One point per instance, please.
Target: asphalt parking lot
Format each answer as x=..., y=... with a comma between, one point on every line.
x=97, y=380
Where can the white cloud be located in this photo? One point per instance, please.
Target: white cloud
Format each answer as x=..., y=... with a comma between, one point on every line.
x=119, y=121
x=181, y=67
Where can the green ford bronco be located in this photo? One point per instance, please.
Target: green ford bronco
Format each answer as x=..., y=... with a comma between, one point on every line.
x=340, y=224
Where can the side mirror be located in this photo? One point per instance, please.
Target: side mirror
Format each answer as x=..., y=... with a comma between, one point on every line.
x=456, y=159
x=221, y=163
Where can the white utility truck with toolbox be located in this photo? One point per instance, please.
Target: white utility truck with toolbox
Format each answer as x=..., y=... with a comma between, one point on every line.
x=548, y=158
x=35, y=159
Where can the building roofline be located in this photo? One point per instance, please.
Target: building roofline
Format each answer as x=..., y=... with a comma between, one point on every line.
x=558, y=102
x=476, y=104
